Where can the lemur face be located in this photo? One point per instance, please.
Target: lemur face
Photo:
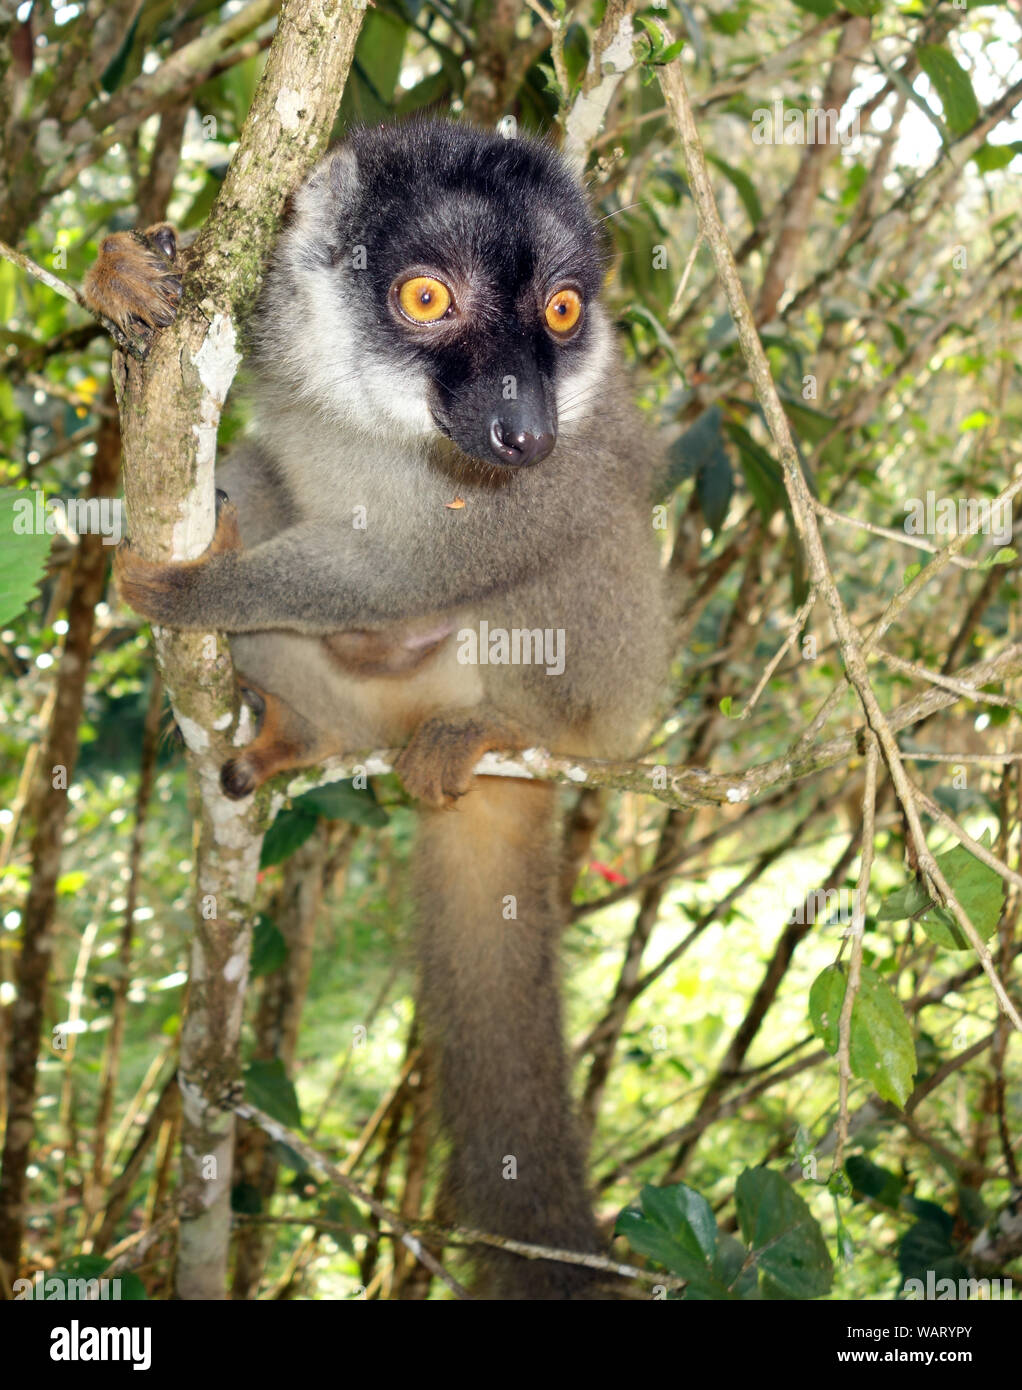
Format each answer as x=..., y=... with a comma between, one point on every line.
x=442, y=278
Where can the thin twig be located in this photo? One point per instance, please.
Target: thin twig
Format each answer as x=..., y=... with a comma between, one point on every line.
x=68, y=292
x=798, y=622
x=804, y=518
x=330, y=1170
x=901, y=537
x=844, y=1047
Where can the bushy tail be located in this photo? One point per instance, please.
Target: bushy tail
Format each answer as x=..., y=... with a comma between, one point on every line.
x=489, y=947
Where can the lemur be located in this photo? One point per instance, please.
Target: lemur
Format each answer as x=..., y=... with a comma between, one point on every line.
x=443, y=439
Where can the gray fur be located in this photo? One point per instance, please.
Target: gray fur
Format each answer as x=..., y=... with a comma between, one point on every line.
x=355, y=410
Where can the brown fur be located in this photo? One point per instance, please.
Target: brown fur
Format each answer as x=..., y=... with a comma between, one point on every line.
x=134, y=281
x=351, y=638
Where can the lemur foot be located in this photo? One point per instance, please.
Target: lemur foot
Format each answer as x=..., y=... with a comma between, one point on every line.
x=134, y=281
x=436, y=766
x=150, y=586
x=283, y=742
x=238, y=778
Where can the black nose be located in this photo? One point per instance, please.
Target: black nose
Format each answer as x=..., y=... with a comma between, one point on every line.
x=518, y=448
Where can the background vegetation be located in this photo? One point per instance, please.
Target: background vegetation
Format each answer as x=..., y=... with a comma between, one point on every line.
x=716, y=919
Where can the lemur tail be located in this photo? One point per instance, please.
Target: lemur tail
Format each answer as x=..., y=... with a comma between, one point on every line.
x=488, y=947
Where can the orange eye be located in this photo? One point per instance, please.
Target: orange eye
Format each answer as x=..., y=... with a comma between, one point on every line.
x=423, y=299
x=563, y=310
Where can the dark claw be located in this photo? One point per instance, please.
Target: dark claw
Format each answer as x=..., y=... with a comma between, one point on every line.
x=221, y=500
x=236, y=779
x=165, y=239
x=255, y=702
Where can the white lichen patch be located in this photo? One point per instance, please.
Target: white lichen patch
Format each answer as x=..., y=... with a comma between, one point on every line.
x=496, y=765
x=229, y=818
x=193, y=734
x=577, y=774
x=235, y=967
x=590, y=107
x=737, y=794
x=216, y=363
x=222, y=721
x=245, y=732
x=289, y=106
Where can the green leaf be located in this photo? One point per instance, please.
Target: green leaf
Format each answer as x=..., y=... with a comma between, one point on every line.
x=24, y=547
x=370, y=90
x=978, y=888
x=269, y=949
x=882, y=1050
x=1007, y=555
x=246, y=1198
x=989, y=158
x=77, y=1267
x=845, y=1243
x=288, y=832
x=113, y=74
x=980, y=893
x=826, y=995
x=762, y=474
x=698, y=449
x=132, y=1288
x=802, y=1144
x=714, y=488
x=927, y=1246
x=343, y=801
x=677, y=1229
x=952, y=85
x=268, y=1086
x=729, y=22
x=904, y=903
x=430, y=91
x=783, y=1236
x=873, y=1181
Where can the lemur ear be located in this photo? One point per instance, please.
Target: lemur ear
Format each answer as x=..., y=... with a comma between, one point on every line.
x=335, y=176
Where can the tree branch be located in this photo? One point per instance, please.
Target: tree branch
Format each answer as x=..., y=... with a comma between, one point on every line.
x=170, y=410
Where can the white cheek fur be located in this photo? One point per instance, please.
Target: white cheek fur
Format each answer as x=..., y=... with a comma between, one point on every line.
x=330, y=368
x=578, y=389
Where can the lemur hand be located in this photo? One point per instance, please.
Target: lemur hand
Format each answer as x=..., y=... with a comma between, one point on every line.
x=160, y=590
x=436, y=766
x=135, y=282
